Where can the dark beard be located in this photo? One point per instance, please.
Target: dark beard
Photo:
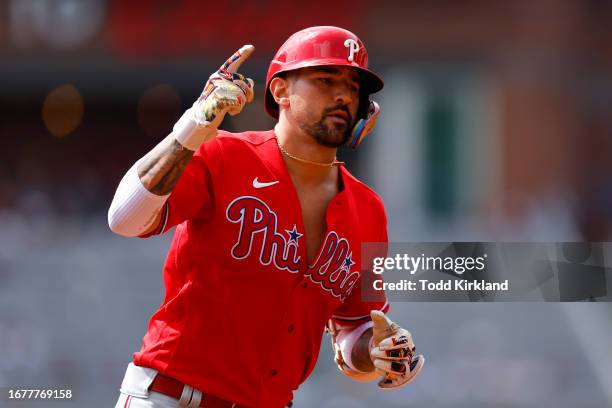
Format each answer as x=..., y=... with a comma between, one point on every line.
x=333, y=135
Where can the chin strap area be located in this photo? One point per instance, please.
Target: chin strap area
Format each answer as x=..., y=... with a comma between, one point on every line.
x=364, y=126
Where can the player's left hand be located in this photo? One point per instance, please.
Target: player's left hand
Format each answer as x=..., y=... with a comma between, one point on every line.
x=392, y=353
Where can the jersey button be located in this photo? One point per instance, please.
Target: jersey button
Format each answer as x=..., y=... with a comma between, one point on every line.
x=305, y=284
x=290, y=328
x=273, y=372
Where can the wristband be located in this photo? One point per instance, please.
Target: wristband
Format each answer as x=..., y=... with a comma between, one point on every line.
x=346, y=341
x=191, y=133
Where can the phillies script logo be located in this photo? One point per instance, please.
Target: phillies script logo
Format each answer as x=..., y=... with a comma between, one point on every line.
x=331, y=269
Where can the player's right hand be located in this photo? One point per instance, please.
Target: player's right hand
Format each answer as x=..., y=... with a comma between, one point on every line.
x=226, y=91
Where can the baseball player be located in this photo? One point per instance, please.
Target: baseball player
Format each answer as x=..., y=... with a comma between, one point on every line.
x=267, y=246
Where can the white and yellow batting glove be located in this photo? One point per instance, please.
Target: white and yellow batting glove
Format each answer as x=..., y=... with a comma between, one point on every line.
x=392, y=352
x=226, y=91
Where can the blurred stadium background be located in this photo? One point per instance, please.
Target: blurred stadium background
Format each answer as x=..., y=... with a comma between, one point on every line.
x=496, y=125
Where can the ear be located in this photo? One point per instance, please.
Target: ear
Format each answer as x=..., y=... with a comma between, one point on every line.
x=279, y=88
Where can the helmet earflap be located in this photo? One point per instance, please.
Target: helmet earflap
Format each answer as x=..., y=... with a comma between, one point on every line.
x=364, y=125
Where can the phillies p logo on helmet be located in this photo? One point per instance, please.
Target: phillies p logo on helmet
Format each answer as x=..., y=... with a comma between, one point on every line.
x=353, y=47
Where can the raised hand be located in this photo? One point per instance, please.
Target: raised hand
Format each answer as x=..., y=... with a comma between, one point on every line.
x=226, y=91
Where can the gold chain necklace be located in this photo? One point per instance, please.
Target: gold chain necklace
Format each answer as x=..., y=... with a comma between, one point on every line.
x=286, y=153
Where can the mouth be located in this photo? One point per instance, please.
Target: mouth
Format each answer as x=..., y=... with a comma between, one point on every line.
x=339, y=114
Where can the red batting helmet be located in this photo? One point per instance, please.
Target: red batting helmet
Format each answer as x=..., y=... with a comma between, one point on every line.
x=318, y=46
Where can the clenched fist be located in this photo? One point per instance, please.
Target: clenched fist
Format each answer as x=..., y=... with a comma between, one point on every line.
x=392, y=352
x=226, y=91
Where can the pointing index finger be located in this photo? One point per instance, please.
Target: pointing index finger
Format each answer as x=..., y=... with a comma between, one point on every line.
x=233, y=63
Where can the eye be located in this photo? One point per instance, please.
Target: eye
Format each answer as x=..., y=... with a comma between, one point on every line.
x=325, y=80
x=354, y=89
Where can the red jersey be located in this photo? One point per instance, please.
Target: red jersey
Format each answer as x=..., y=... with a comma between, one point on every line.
x=244, y=313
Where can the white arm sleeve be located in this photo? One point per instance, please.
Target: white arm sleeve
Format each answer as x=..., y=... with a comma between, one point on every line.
x=134, y=208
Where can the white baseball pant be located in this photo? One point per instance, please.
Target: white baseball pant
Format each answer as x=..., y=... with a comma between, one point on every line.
x=135, y=392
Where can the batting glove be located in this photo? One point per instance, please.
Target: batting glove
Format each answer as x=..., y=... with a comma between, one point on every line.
x=226, y=91
x=392, y=351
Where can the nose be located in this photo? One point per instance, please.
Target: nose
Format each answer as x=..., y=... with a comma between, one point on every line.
x=343, y=94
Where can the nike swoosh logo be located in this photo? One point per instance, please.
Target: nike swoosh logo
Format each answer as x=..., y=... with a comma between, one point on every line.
x=259, y=184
